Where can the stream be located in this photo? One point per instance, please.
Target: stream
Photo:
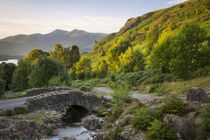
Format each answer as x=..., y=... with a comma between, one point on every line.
x=74, y=132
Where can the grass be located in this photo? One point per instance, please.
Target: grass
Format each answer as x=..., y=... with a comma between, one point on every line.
x=35, y=116
x=181, y=87
x=12, y=94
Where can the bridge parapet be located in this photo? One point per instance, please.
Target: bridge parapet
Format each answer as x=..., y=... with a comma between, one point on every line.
x=60, y=100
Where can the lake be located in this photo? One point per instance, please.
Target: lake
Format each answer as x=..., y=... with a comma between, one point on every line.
x=14, y=61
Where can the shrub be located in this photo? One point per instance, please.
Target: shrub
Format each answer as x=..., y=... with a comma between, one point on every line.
x=21, y=110
x=2, y=87
x=20, y=79
x=159, y=131
x=205, y=115
x=81, y=85
x=142, y=119
x=116, y=112
x=172, y=105
x=116, y=132
x=122, y=96
x=56, y=81
x=45, y=69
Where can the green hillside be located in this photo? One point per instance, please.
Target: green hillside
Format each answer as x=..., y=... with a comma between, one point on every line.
x=136, y=29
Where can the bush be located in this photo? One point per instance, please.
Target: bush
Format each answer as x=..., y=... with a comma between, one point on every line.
x=20, y=79
x=81, y=85
x=205, y=115
x=56, y=81
x=116, y=112
x=45, y=69
x=122, y=96
x=142, y=119
x=2, y=87
x=173, y=105
x=116, y=132
x=160, y=131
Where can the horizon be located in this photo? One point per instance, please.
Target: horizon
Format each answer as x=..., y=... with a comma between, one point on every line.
x=31, y=17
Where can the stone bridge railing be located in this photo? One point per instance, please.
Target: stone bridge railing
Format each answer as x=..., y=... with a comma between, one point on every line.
x=60, y=100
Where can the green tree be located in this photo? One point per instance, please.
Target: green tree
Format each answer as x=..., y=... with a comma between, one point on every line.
x=115, y=51
x=182, y=53
x=131, y=60
x=20, y=79
x=34, y=55
x=83, y=68
x=6, y=73
x=153, y=34
x=45, y=69
x=65, y=55
x=2, y=87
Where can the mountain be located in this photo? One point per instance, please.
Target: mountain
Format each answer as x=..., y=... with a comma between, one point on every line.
x=136, y=29
x=23, y=44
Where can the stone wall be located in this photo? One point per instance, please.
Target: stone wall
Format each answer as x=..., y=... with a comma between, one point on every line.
x=60, y=100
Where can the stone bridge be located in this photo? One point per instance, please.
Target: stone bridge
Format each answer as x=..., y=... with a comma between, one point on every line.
x=60, y=100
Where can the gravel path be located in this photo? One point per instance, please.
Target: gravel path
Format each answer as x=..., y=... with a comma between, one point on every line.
x=12, y=103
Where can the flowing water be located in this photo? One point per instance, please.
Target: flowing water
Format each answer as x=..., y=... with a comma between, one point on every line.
x=77, y=132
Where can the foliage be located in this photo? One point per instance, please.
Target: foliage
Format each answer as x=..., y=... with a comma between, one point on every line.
x=56, y=81
x=153, y=34
x=117, y=110
x=143, y=117
x=160, y=131
x=83, y=68
x=100, y=68
x=131, y=60
x=2, y=87
x=182, y=53
x=173, y=105
x=81, y=85
x=6, y=73
x=205, y=115
x=45, y=69
x=65, y=55
x=20, y=79
x=34, y=55
x=117, y=130
x=121, y=96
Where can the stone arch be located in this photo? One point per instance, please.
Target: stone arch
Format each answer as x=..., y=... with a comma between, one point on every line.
x=74, y=113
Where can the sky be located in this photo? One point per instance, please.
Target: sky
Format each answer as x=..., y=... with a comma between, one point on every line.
x=44, y=16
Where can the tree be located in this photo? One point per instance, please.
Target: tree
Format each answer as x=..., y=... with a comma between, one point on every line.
x=45, y=69
x=65, y=55
x=182, y=53
x=34, y=55
x=6, y=73
x=100, y=68
x=115, y=51
x=153, y=34
x=130, y=60
x=20, y=79
x=83, y=68
x=2, y=87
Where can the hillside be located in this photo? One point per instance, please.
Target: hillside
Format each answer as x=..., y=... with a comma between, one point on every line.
x=23, y=44
x=136, y=29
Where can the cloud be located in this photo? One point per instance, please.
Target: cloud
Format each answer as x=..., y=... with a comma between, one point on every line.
x=175, y=1
x=90, y=24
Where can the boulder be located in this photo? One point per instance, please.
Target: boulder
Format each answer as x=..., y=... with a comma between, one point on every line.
x=18, y=129
x=125, y=121
x=196, y=94
x=92, y=122
x=192, y=106
x=180, y=126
